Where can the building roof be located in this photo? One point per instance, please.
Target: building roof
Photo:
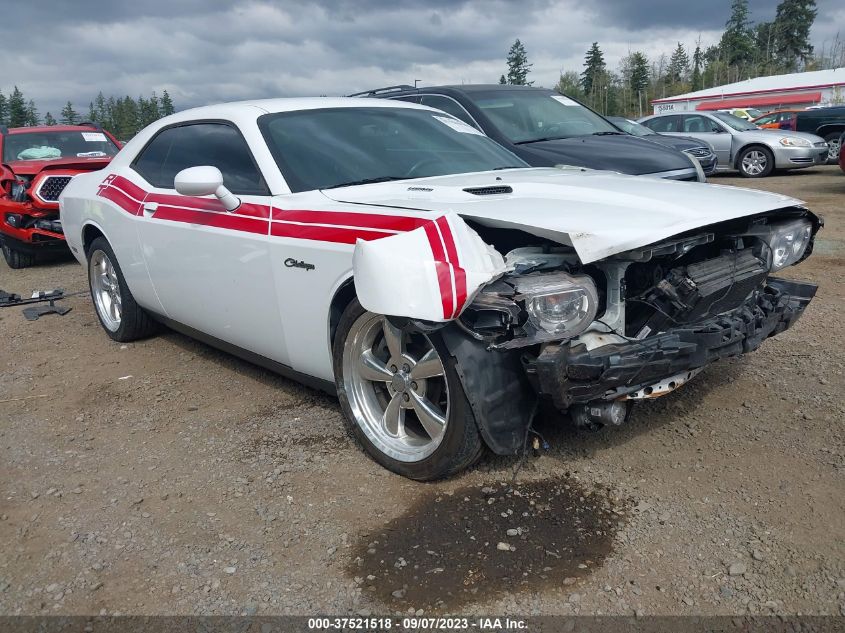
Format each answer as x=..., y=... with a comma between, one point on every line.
x=772, y=83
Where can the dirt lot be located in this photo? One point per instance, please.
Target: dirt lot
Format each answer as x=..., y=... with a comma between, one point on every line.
x=166, y=477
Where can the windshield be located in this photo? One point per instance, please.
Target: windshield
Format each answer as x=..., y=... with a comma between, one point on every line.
x=754, y=113
x=741, y=125
x=52, y=145
x=631, y=127
x=528, y=116
x=335, y=147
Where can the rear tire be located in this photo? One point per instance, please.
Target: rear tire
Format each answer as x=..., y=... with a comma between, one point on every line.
x=17, y=259
x=755, y=162
x=833, y=145
x=402, y=398
x=121, y=317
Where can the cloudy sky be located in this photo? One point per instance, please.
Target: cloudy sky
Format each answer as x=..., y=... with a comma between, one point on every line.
x=205, y=51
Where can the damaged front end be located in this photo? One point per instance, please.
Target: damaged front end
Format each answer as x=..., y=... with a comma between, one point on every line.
x=638, y=324
x=29, y=209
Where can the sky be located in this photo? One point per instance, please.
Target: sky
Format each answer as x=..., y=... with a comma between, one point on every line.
x=207, y=51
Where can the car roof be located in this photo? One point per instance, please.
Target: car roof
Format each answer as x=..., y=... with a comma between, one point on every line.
x=392, y=91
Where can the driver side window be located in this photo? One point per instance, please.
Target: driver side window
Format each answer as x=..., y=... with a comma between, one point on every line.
x=218, y=144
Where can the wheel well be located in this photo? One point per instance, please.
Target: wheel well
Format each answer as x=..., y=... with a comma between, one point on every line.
x=342, y=298
x=89, y=234
x=830, y=129
x=751, y=146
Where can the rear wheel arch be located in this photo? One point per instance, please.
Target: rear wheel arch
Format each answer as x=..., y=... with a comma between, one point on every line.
x=90, y=232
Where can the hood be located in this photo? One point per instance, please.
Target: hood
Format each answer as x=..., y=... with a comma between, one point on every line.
x=32, y=167
x=771, y=135
x=597, y=213
x=617, y=152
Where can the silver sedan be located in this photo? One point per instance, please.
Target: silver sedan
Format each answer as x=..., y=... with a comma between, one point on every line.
x=742, y=146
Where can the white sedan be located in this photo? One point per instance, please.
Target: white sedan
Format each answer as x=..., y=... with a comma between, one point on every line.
x=395, y=256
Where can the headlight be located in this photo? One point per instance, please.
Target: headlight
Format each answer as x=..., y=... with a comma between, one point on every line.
x=560, y=304
x=787, y=242
x=792, y=141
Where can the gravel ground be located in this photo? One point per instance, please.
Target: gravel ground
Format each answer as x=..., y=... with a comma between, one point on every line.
x=164, y=477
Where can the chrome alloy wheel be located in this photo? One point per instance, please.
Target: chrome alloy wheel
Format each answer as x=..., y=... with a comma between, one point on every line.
x=754, y=162
x=397, y=389
x=105, y=290
x=833, y=147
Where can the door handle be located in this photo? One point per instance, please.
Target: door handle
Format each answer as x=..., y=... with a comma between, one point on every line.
x=150, y=208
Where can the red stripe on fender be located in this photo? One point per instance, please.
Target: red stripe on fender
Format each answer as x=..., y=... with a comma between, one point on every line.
x=459, y=273
x=216, y=220
x=444, y=276
x=128, y=187
x=337, y=235
x=205, y=204
x=120, y=199
x=340, y=218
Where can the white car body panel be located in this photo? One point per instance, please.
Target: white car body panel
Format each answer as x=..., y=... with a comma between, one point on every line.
x=229, y=275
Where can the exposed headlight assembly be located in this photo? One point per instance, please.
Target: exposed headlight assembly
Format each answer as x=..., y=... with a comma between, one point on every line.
x=787, y=242
x=794, y=141
x=558, y=304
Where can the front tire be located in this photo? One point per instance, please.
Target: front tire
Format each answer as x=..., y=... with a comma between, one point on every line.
x=402, y=397
x=17, y=259
x=755, y=162
x=121, y=317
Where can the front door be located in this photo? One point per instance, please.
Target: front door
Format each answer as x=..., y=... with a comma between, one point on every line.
x=210, y=267
x=706, y=129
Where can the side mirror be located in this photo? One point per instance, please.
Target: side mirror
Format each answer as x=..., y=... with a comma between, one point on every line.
x=205, y=180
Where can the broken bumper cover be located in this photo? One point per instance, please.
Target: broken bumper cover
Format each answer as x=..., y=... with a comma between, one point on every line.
x=574, y=374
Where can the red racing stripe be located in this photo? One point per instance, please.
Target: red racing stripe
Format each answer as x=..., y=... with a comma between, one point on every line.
x=128, y=187
x=444, y=275
x=338, y=235
x=120, y=199
x=459, y=273
x=217, y=220
x=339, y=218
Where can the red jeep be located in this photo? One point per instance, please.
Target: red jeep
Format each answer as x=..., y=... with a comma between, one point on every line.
x=36, y=163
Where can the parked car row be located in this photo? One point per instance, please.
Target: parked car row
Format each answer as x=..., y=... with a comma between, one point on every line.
x=828, y=123
x=423, y=271
x=741, y=145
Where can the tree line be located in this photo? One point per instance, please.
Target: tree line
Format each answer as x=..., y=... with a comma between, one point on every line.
x=745, y=50
x=122, y=116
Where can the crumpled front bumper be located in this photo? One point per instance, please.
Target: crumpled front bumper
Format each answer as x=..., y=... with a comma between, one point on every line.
x=572, y=374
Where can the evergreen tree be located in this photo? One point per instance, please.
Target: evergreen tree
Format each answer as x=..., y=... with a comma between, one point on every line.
x=793, y=20
x=737, y=42
x=678, y=67
x=32, y=118
x=100, y=113
x=69, y=115
x=502, y=80
x=518, y=66
x=4, y=110
x=697, y=61
x=92, y=113
x=594, y=69
x=49, y=120
x=17, y=109
x=638, y=79
x=166, y=107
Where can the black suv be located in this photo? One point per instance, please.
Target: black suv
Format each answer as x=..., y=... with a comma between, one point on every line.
x=545, y=128
x=829, y=123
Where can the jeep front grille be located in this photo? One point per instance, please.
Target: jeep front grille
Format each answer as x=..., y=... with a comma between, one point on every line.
x=52, y=187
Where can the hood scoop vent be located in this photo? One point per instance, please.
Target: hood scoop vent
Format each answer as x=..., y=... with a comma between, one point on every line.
x=493, y=190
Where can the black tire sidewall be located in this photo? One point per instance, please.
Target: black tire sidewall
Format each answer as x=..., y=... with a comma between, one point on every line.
x=461, y=444
x=128, y=327
x=16, y=259
x=770, y=161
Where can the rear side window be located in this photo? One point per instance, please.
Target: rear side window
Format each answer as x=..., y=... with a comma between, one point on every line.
x=448, y=105
x=217, y=144
x=663, y=123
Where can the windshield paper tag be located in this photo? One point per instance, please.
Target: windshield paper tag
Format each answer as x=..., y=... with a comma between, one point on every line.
x=94, y=137
x=457, y=125
x=564, y=100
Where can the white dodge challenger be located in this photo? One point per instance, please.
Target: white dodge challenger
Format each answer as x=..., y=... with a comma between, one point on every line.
x=395, y=256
